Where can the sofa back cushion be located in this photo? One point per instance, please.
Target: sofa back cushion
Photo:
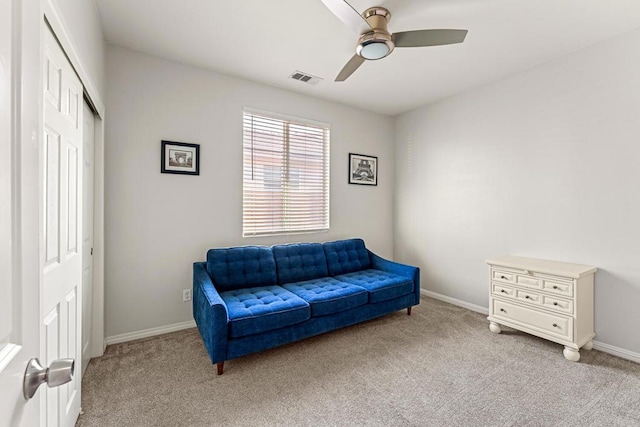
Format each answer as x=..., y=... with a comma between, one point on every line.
x=300, y=261
x=241, y=267
x=346, y=256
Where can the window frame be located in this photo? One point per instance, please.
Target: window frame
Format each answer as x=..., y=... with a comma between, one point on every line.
x=288, y=165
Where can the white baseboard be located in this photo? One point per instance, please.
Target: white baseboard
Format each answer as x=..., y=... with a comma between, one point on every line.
x=454, y=301
x=605, y=348
x=617, y=351
x=146, y=333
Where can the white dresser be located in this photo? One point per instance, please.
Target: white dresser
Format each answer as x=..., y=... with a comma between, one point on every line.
x=550, y=299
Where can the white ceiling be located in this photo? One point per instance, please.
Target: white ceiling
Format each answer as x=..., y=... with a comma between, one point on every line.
x=266, y=41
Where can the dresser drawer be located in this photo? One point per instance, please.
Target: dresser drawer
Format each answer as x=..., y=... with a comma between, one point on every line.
x=503, y=276
x=529, y=281
x=556, y=325
x=558, y=287
x=528, y=296
x=501, y=290
x=557, y=304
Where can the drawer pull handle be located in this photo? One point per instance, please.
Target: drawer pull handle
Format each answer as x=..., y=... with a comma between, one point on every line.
x=555, y=287
x=527, y=297
x=503, y=277
x=503, y=310
x=555, y=325
x=555, y=303
x=503, y=291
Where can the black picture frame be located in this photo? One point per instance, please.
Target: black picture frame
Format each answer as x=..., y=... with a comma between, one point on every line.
x=363, y=169
x=180, y=158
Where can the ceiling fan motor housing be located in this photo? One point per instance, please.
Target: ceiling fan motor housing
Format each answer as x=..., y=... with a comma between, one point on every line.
x=377, y=43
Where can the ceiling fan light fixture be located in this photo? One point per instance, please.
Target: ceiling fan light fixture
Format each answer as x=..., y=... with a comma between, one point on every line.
x=375, y=50
x=374, y=46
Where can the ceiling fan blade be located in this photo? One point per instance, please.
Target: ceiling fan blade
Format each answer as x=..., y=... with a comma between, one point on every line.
x=350, y=67
x=428, y=37
x=347, y=14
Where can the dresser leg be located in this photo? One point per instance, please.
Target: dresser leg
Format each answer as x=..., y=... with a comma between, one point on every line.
x=571, y=354
x=588, y=346
x=494, y=327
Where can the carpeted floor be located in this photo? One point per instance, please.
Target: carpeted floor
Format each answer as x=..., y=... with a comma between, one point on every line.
x=438, y=367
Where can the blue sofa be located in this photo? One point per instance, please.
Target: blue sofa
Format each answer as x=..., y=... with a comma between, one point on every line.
x=251, y=298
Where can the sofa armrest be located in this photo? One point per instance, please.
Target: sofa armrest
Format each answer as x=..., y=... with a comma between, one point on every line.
x=210, y=313
x=405, y=270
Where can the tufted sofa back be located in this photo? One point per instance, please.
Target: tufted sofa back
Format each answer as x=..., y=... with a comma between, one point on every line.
x=300, y=261
x=241, y=267
x=346, y=256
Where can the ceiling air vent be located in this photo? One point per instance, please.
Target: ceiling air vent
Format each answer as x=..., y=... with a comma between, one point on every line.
x=305, y=77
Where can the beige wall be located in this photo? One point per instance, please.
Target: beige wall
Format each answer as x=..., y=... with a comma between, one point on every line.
x=543, y=164
x=157, y=224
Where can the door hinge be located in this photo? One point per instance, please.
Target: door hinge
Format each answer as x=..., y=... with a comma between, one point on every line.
x=91, y=251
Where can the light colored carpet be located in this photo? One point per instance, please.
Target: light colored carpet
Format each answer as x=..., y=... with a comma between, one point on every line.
x=440, y=366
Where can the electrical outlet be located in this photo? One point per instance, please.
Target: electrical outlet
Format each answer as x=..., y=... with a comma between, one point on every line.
x=186, y=295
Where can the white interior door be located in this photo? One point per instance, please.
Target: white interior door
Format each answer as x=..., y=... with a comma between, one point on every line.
x=6, y=291
x=87, y=233
x=61, y=244
x=19, y=294
x=40, y=217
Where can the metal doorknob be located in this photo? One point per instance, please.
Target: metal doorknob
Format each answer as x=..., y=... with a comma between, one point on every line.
x=59, y=372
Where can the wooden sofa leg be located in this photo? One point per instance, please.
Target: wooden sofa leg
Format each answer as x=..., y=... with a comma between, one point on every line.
x=408, y=311
x=220, y=368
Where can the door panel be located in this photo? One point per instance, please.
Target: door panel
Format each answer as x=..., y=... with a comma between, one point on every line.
x=61, y=292
x=52, y=174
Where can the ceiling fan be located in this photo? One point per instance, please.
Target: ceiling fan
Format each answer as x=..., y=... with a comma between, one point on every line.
x=376, y=42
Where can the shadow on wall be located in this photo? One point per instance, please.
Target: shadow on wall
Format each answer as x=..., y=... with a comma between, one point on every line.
x=615, y=298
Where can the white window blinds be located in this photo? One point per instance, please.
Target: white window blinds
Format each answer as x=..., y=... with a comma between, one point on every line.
x=285, y=175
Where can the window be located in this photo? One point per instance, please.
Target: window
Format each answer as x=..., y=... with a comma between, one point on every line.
x=285, y=175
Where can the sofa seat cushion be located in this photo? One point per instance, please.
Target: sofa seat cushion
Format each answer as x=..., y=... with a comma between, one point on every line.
x=381, y=285
x=328, y=295
x=256, y=310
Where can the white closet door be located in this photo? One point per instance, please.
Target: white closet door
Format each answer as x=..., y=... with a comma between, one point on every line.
x=61, y=244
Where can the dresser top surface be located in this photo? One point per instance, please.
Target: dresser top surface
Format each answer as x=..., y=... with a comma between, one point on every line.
x=556, y=268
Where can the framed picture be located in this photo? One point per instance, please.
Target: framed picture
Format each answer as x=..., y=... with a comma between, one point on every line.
x=180, y=157
x=363, y=170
